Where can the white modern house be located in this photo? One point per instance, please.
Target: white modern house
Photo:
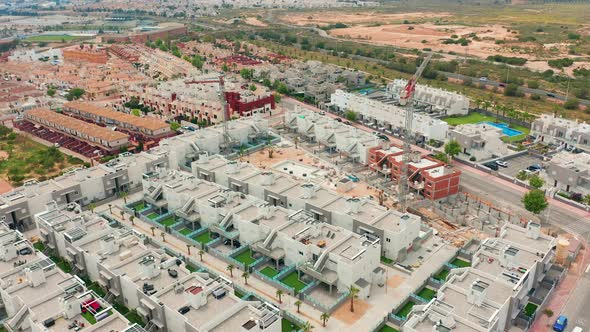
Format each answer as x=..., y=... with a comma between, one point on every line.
x=568, y=133
x=479, y=140
x=448, y=102
x=389, y=116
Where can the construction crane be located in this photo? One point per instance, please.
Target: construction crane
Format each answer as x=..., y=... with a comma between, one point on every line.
x=227, y=140
x=406, y=100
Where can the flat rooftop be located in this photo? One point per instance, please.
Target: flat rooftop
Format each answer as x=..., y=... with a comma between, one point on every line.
x=133, y=269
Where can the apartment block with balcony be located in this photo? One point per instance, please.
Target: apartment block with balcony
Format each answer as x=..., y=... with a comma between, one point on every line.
x=569, y=172
x=506, y=273
x=480, y=140
x=568, y=133
x=447, y=102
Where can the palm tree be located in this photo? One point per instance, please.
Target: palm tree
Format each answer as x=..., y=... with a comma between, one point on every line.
x=298, y=305
x=131, y=218
x=230, y=268
x=324, y=317
x=271, y=150
x=163, y=235
x=122, y=214
x=295, y=141
x=124, y=195
x=245, y=275
x=153, y=228
x=307, y=327
x=111, y=208
x=188, y=249
x=201, y=253
x=279, y=295
x=487, y=104
x=352, y=294
x=91, y=207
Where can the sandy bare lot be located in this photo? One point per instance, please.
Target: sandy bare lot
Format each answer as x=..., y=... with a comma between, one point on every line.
x=344, y=315
x=430, y=35
x=330, y=17
x=255, y=22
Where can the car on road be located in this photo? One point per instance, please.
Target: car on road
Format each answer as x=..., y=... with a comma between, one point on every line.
x=491, y=166
x=503, y=85
x=339, y=119
x=550, y=95
x=383, y=137
x=347, y=123
x=502, y=163
x=353, y=178
x=322, y=113
x=560, y=323
x=483, y=79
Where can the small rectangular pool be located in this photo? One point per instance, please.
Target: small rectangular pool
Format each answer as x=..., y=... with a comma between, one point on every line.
x=506, y=130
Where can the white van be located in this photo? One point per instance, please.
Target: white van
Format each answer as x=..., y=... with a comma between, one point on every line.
x=577, y=329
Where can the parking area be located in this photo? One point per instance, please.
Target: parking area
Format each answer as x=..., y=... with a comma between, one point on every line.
x=519, y=163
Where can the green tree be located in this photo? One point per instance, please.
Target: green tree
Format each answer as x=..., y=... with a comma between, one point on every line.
x=533, y=84
x=230, y=268
x=351, y=115
x=75, y=93
x=201, y=253
x=536, y=182
x=452, y=148
x=247, y=74
x=246, y=275
x=511, y=90
x=253, y=87
x=280, y=295
x=307, y=327
x=298, y=305
x=51, y=92
x=352, y=294
x=572, y=104
x=535, y=201
x=174, y=126
x=324, y=317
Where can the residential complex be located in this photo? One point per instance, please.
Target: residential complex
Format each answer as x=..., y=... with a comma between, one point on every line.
x=427, y=176
x=507, y=271
x=86, y=53
x=442, y=101
x=142, y=34
x=200, y=101
x=102, y=137
x=389, y=117
x=137, y=127
x=480, y=140
x=569, y=172
x=569, y=133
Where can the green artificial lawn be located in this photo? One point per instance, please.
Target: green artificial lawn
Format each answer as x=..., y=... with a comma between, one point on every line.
x=245, y=257
x=442, y=275
x=89, y=317
x=139, y=207
x=287, y=326
x=292, y=280
x=405, y=310
x=133, y=317
x=51, y=38
x=203, y=238
x=153, y=216
x=427, y=293
x=460, y=263
x=386, y=260
x=269, y=271
x=185, y=231
x=123, y=310
x=63, y=265
x=238, y=294
x=171, y=220
x=39, y=245
x=471, y=118
x=387, y=328
x=191, y=268
x=530, y=309
x=97, y=289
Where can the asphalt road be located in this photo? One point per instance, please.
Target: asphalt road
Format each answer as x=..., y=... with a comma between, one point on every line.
x=508, y=195
x=576, y=309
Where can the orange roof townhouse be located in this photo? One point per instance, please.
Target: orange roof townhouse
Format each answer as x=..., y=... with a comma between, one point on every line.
x=105, y=138
x=141, y=128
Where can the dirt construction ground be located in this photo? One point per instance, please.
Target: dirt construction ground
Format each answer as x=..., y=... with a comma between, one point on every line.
x=327, y=18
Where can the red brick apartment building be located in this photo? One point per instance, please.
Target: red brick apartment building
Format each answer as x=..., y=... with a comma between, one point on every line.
x=142, y=37
x=432, y=178
x=245, y=107
x=86, y=53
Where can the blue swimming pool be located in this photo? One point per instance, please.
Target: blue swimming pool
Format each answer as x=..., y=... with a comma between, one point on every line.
x=506, y=130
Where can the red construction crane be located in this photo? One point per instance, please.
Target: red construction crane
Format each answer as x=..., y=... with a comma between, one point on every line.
x=406, y=99
x=224, y=107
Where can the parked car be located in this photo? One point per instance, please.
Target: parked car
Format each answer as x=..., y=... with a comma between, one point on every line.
x=383, y=137
x=502, y=163
x=184, y=310
x=322, y=113
x=577, y=329
x=535, y=167
x=339, y=119
x=491, y=166
x=560, y=324
x=347, y=123
x=353, y=178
